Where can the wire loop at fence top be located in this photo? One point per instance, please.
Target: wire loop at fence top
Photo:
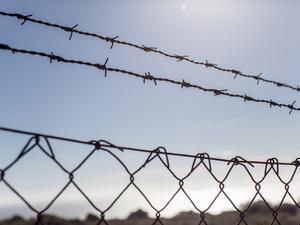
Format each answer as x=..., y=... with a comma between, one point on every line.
x=114, y=40
x=147, y=76
x=160, y=153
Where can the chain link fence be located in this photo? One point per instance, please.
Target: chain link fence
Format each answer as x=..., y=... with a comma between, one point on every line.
x=271, y=167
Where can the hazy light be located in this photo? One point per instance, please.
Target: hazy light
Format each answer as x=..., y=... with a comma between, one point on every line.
x=183, y=7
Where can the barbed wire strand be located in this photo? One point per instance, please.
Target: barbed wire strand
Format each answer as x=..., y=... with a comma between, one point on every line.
x=147, y=76
x=200, y=159
x=114, y=40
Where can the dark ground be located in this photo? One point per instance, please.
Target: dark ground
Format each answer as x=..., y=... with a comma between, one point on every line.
x=258, y=214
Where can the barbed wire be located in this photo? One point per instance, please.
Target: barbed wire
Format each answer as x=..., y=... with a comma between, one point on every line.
x=114, y=40
x=44, y=142
x=147, y=76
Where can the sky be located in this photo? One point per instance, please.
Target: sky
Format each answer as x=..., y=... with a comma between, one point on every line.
x=74, y=101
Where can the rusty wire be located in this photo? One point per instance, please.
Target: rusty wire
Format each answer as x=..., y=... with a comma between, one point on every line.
x=114, y=40
x=199, y=160
x=147, y=76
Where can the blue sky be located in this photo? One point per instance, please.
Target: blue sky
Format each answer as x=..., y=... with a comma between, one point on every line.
x=74, y=101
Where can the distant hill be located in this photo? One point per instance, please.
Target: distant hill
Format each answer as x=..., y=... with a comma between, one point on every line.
x=257, y=214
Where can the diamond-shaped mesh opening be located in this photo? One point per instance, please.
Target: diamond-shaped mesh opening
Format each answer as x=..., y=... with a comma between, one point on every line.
x=156, y=183
x=103, y=187
x=272, y=189
x=201, y=187
x=33, y=181
x=239, y=186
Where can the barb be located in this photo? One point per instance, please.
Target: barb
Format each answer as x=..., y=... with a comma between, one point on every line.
x=160, y=153
x=147, y=76
x=113, y=40
x=25, y=18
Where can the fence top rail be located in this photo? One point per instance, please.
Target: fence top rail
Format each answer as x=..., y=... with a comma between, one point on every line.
x=236, y=160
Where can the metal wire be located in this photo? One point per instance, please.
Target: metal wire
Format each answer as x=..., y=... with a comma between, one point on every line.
x=43, y=142
x=200, y=160
x=114, y=40
x=147, y=76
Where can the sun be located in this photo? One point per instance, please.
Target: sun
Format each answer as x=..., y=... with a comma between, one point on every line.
x=183, y=7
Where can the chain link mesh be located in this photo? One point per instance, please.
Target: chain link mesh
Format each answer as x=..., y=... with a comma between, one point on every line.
x=42, y=143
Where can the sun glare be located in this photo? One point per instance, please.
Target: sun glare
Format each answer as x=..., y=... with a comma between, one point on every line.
x=183, y=7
